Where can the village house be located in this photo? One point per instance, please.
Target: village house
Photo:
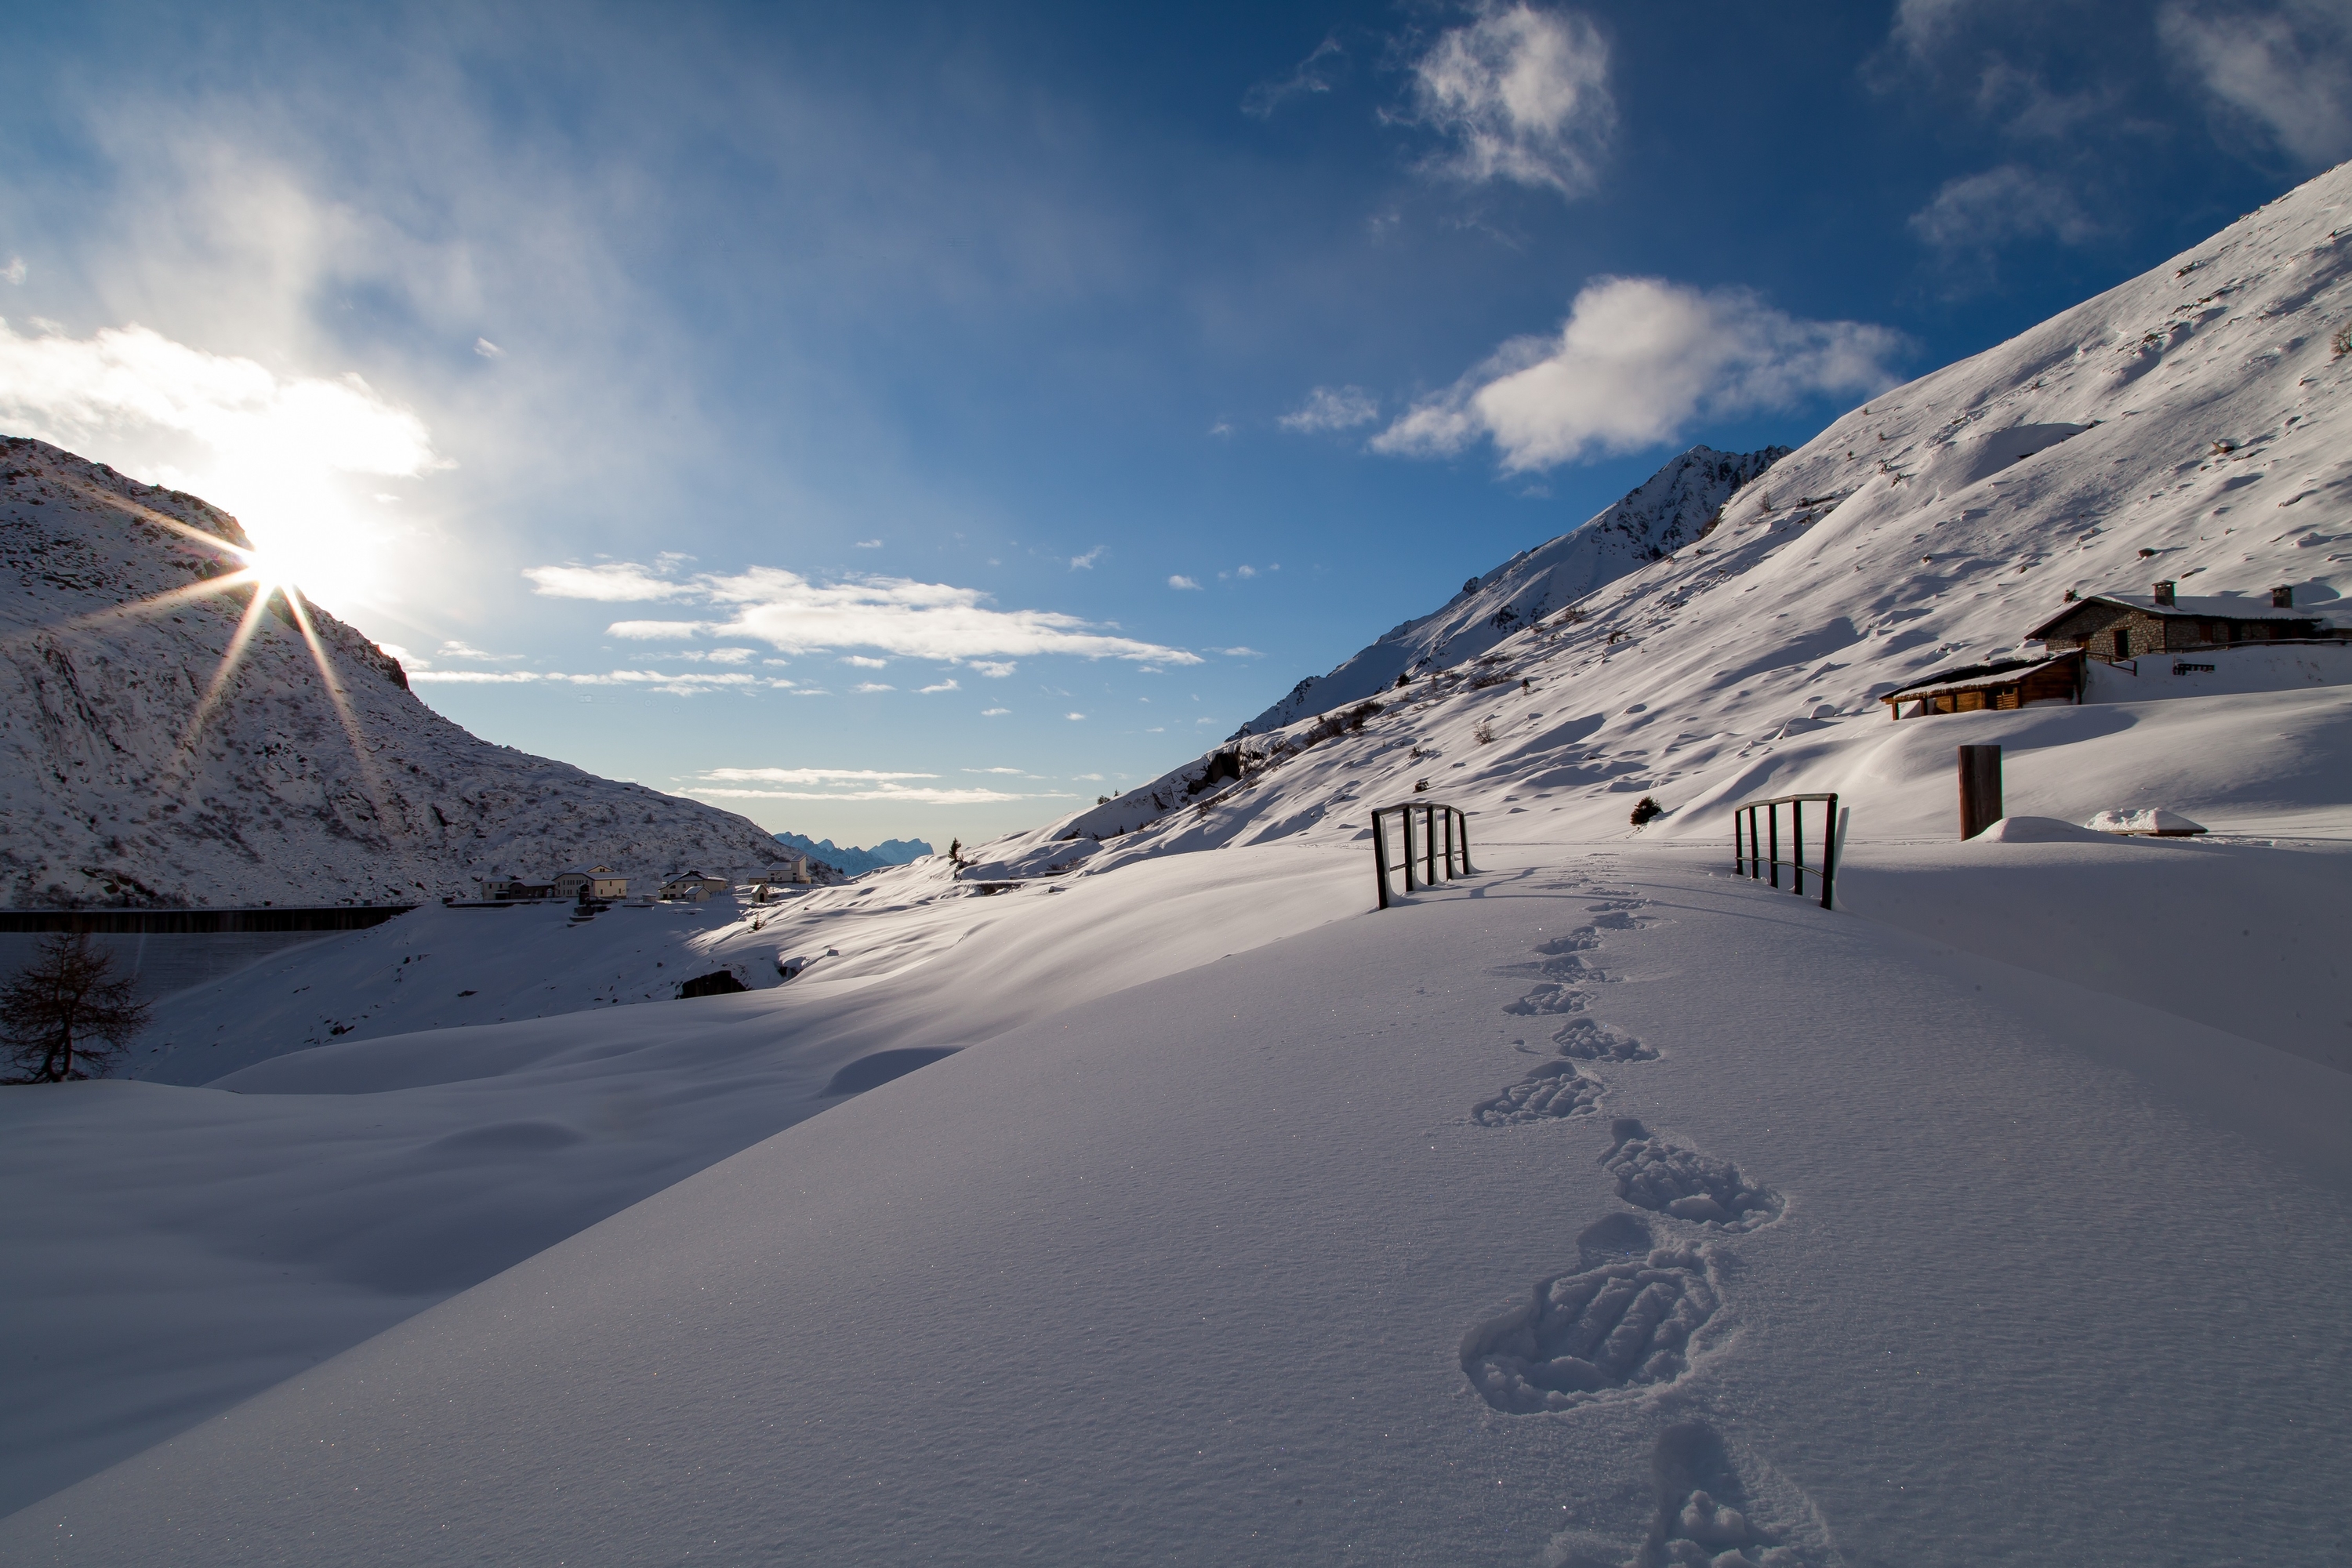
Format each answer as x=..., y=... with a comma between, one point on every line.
x=2125, y=626
x=599, y=882
x=695, y=885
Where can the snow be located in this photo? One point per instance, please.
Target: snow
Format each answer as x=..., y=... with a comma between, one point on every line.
x=2152, y=819
x=1603, y=1207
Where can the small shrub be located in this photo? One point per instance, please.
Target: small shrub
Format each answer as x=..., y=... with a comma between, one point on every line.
x=1485, y=732
x=2341, y=343
x=717, y=983
x=1646, y=809
x=1404, y=678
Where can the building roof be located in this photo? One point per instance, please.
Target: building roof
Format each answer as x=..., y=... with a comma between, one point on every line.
x=1964, y=677
x=2200, y=607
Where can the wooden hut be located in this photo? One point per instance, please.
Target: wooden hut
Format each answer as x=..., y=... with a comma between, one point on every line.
x=2004, y=683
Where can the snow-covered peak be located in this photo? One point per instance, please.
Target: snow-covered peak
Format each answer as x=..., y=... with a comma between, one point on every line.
x=1667, y=511
x=140, y=765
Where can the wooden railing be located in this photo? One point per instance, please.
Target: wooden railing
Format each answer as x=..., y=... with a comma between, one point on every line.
x=1438, y=822
x=1756, y=855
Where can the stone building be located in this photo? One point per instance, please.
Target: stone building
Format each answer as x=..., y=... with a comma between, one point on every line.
x=2125, y=626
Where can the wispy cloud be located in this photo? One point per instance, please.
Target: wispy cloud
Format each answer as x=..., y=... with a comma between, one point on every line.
x=1086, y=563
x=1238, y=652
x=1180, y=580
x=859, y=661
x=1314, y=74
x=942, y=686
x=895, y=615
x=454, y=649
x=866, y=687
x=1074, y=716
x=1522, y=94
x=677, y=683
x=994, y=712
x=488, y=350
x=2285, y=68
x=1977, y=211
x=1636, y=360
x=869, y=544
x=1332, y=408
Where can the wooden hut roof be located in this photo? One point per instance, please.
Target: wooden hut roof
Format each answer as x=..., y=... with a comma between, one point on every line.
x=1968, y=676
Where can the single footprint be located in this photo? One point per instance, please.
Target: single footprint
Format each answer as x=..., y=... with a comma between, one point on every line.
x=1721, y=1509
x=1547, y=999
x=1669, y=1179
x=1587, y=1041
x=1549, y=1092
x=1625, y=1318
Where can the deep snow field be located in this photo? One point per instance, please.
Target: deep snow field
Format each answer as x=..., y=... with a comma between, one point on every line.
x=1600, y=1208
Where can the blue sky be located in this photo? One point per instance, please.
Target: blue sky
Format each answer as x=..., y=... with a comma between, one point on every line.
x=903, y=420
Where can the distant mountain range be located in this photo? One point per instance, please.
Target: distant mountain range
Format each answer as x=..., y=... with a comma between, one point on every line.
x=142, y=765
x=1670, y=509
x=856, y=861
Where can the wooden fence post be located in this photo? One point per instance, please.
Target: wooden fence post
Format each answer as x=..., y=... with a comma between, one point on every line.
x=1980, y=789
x=1381, y=856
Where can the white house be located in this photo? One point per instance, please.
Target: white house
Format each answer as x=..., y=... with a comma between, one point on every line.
x=591, y=882
x=695, y=885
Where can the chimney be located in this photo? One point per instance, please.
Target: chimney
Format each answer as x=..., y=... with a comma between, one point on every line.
x=2164, y=591
x=2281, y=598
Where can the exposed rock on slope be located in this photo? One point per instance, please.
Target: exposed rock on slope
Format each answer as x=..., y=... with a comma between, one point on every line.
x=112, y=793
x=1670, y=509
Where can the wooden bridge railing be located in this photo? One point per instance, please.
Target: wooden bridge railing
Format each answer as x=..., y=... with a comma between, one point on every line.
x=1752, y=856
x=1444, y=843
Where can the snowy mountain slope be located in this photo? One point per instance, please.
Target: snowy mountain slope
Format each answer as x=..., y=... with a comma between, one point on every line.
x=108, y=649
x=2192, y=423
x=1665, y=512
x=1224, y=1268
x=1082, y=1200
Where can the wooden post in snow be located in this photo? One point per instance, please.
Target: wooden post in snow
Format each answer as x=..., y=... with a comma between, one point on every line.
x=1980, y=789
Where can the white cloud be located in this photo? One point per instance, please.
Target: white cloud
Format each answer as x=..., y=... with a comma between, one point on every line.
x=869, y=544
x=1074, y=716
x=15, y=272
x=2286, y=69
x=1089, y=778
x=808, y=775
x=910, y=796
x=488, y=350
x=942, y=686
x=686, y=683
x=1245, y=571
x=1312, y=75
x=1979, y=211
x=895, y=615
x=860, y=661
x=865, y=688
x=274, y=449
x=993, y=712
x=1522, y=94
x=1008, y=773
x=1636, y=360
x=1238, y=652
x=995, y=669
x=471, y=676
x=612, y=582
x=454, y=649
x=1221, y=428
x=1332, y=408
x=1086, y=563
x=1180, y=581
x=729, y=656
x=843, y=784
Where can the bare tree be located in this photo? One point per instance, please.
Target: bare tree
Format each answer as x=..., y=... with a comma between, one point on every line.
x=65, y=1014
